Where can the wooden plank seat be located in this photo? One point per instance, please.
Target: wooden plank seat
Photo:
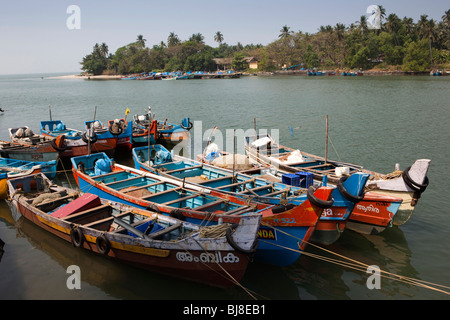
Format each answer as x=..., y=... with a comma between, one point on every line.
x=253, y=190
x=124, y=226
x=215, y=179
x=105, y=224
x=235, y=184
x=119, y=181
x=237, y=210
x=183, y=169
x=286, y=190
x=108, y=174
x=208, y=205
x=158, y=234
x=168, y=203
x=142, y=187
x=162, y=192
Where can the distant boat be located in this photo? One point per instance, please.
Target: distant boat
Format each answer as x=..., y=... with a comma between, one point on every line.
x=435, y=73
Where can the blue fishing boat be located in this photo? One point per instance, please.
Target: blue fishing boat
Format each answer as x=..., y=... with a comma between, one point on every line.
x=293, y=191
x=123, y=131
x=391, y=199
x=75, y=142
x=284, y=231
x=146, y=127
x=19, y=168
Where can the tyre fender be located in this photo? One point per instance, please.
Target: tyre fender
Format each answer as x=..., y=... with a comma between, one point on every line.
x=347, y=195
x=324, y=204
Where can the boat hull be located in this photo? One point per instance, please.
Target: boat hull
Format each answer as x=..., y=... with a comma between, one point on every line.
x=210, y=260
x=301, y=219
x=374, y=213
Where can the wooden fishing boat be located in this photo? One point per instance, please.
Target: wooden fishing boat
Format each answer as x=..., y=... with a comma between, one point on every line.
x=76, y=142
x=282, y=228
x=123, y=131
x=408, y=186
x=331, y=224
x=168, y=133
x=172, y=134
x=3, y=185
x=216, y=256
x=43, y=152
x=142, y=134
x=19, y=168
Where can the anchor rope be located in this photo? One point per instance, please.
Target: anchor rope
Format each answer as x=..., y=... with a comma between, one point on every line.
x=354, y=264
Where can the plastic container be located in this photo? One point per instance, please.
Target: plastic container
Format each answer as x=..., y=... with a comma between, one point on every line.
x=291, y=179
x=306, y=179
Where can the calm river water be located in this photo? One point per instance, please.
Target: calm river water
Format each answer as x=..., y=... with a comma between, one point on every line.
x=373, y=121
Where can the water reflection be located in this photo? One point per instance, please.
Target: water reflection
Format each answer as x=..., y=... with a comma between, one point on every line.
x=317, y=279
x=120, y=281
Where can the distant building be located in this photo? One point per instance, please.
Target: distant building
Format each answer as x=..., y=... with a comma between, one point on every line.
x=225, y=63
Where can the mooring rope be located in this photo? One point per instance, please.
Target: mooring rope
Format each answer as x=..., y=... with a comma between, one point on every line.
x=354, y=264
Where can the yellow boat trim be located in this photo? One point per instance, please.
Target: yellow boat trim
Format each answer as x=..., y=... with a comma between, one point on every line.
x=114, y=244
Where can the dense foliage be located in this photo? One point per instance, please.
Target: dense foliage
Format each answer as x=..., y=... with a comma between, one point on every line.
x=398, y=44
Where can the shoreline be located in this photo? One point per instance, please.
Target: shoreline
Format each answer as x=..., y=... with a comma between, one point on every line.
x=86, y=77
x=262, y=73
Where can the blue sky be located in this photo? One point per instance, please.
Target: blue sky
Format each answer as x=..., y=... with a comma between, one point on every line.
x=34, y=37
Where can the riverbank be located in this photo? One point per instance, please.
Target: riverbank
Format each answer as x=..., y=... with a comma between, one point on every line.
x=274, y=73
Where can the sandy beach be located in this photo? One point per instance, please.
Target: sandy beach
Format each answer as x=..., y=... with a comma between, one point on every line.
x=88, y=77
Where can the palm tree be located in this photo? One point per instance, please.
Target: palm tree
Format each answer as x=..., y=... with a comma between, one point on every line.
x=393, y=25
x=285, y=32
x=427, y=30
x=340, y=31
x=197, y=37
x=141, y=41
x=104, y=49
x=446, y=18
x=362, y=25
x=218, y=37
x=382, y=14
x=408, y=23
x=172, y=40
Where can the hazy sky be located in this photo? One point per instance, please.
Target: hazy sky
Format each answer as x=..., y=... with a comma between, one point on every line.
x=34, y=37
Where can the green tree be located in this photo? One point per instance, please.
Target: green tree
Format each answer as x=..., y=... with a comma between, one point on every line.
x=417, y=56
x=310, y=58
x=238, y=62
x=97, y=61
